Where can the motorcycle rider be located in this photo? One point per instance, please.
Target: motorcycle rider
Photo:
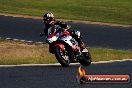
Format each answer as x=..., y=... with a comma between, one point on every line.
x=49, y=21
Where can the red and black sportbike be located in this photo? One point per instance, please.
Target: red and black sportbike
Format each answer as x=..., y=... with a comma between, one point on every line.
x=66, y=48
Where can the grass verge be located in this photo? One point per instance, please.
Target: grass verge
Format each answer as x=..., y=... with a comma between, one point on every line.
x=110, y=11
x=14, y=52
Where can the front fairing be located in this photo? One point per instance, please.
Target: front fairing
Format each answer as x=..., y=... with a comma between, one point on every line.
x=52, y=34
x=70, y=41
x=55, y=35
x=66, y=39
x=52, y=39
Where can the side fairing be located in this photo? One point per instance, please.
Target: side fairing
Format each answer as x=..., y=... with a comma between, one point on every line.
x=69, y=40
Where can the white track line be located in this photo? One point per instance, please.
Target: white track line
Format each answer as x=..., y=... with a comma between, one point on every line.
x=57, y=64
x=111, y=61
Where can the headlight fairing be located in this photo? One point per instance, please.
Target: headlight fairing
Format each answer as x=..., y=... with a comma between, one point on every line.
x=50, y=40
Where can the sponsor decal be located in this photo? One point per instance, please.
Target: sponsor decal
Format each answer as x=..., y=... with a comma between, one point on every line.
x=83, y=78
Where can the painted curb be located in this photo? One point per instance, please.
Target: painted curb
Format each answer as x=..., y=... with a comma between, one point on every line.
x=25, y=41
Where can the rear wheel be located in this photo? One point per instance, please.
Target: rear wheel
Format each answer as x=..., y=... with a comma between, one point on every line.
x=85, y=59
x=62, y=56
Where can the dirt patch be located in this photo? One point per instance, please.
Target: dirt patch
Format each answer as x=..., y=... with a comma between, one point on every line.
x=80, y=21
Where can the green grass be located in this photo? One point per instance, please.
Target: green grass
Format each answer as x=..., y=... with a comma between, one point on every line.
x=104, y=54
x=12, y=52
x=111, y=11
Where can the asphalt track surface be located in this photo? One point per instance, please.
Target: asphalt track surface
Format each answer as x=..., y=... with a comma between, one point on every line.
x=94, y=35
x=60, y=77
x=57, y=76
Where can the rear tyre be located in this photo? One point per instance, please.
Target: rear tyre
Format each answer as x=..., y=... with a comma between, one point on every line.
x=85, y=59
x=62, y=56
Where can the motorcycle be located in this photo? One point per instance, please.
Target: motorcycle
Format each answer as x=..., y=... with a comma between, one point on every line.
x=66, y=48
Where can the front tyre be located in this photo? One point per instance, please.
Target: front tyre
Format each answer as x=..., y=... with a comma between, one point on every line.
x=62, y=56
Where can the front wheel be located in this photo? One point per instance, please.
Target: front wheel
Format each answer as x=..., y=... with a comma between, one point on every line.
x=62, y=56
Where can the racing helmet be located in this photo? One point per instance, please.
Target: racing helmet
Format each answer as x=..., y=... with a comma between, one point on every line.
x=48, y=17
